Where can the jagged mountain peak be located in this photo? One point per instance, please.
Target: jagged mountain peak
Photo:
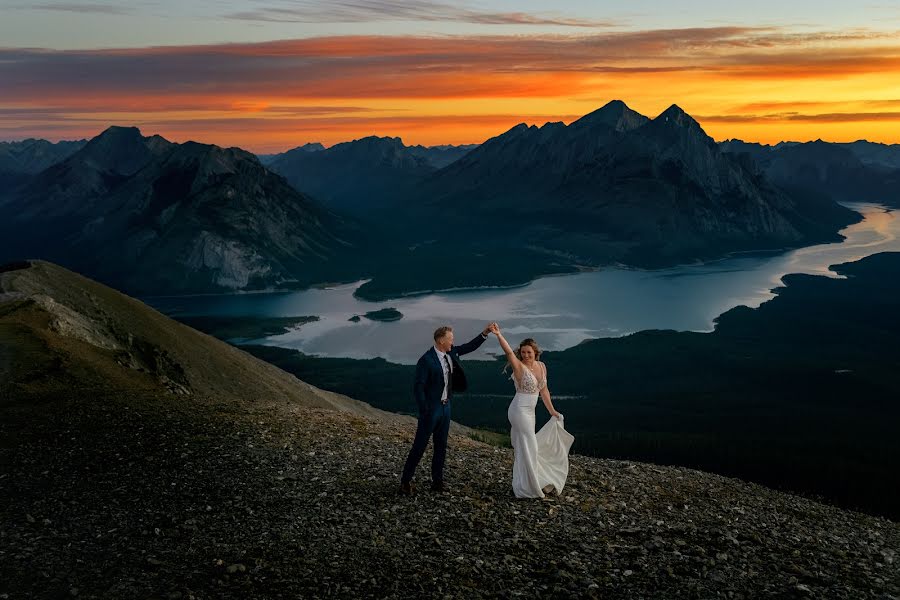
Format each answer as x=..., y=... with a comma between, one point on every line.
x=216, y=212
x=376, y=141
x=676, y=115
x=120, y=150
x=615, y=114
x=518, y=128
x=311, y=147
x=120, y=132
x=680, y=132
x=208, y=159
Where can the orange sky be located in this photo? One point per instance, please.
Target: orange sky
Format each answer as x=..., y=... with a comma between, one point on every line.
x=757, y=84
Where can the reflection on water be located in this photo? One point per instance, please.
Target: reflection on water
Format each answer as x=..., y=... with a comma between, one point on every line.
x=558, y=311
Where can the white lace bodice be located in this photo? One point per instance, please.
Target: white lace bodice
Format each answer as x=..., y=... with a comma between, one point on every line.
x=529, y=383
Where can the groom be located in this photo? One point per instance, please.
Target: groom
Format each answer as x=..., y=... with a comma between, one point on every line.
x=438, y=376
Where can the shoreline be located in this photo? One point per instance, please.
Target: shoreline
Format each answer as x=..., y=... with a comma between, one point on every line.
x=578, y=268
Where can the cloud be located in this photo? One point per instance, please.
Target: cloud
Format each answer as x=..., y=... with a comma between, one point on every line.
x=836, y=117
x=420, y=67
x=360, y=11
x=370, y=84
x=77, y=7
x=808, y=105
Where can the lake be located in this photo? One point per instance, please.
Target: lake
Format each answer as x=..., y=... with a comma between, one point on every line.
x=559, y=311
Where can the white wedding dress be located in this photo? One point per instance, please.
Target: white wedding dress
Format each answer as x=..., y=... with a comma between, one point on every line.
x=541, y=458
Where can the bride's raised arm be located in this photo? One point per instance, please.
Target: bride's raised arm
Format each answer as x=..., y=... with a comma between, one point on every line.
x=510, y=355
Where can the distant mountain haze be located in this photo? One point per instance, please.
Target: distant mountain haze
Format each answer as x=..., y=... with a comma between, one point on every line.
x=362, y=177
x=860, y=171
x=268, y=159
x=19, y=160
x=33, y=156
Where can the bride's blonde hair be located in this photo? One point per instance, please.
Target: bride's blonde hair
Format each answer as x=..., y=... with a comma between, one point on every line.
x=518, y=351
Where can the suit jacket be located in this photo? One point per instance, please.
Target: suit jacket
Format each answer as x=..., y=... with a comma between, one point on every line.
x=429, y=383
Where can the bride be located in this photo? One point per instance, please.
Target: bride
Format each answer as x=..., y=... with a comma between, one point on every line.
x=541, y=461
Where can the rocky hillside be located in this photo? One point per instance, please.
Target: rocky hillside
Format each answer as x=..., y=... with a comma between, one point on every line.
x=151, y=216
x=143, y=459
x=87, y=333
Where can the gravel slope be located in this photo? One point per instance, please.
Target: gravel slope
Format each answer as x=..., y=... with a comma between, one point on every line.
x=115, y=484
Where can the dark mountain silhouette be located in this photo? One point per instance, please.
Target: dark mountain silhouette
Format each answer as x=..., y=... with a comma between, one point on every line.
x=443, y=155
x=268, y=159
x=34, y=155
x=612, y=187
x=528, y=163
x=359, y=177
x=616, y=186
x=856, y=172
x=873, y=153
x=19, y=160
x=75, y=184
x=153, y=216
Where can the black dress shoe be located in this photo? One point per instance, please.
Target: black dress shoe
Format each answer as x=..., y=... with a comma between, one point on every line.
x=407, y=489
x=439, y=486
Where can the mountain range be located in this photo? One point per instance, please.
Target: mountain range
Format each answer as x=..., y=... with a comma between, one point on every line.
x=20, y=159
x=613, y=187
x=856, y=172
x=364, y=176
x=33, y=155
x=359, y=178
x=152, y=216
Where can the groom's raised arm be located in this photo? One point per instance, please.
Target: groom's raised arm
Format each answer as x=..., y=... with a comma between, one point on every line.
x=471, y=346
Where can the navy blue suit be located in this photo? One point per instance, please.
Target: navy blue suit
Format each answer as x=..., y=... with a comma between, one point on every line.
x=434, y=416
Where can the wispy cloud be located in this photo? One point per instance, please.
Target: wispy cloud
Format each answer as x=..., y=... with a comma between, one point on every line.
x=836, y=117
x=810, y=105
x=361, y=11
x=726, y=76
x=77, y=7
x=422, y=67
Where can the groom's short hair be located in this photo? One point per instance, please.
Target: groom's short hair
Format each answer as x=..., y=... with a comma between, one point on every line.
x=441, y=332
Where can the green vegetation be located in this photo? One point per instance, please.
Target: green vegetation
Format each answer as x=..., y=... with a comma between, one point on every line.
x=494, y=438
x=248, y=328
x=800, y=394
x=385, y=314
x=472, y=267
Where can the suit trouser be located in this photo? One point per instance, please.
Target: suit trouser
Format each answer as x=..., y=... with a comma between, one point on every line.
x=437, y=424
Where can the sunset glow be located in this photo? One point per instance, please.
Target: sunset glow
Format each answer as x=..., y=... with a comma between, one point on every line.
x=763, y=83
